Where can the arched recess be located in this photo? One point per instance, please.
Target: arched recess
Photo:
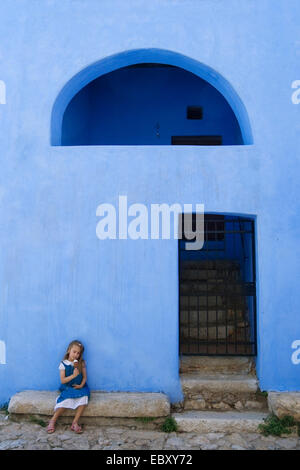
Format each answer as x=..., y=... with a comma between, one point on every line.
x=134, y=58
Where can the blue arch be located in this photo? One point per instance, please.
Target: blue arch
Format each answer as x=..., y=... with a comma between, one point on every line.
x=138, y=56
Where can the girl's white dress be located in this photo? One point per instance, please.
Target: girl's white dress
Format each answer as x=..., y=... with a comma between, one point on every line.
x=72, y=403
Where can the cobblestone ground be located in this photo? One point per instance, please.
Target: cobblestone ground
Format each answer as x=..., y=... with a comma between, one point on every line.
x=32, y=436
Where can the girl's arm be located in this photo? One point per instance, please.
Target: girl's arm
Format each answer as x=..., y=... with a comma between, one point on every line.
x=84, y=377
x=65, y=379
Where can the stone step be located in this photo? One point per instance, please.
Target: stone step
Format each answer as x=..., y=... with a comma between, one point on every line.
x=211, y=422
x=215, y=331
x=216, y=348
x=197, y=382
x=231, y=303
x=212, y=321
x=101, y=404
x=210, y=292
x=225, y=365
x=204, y=298
x=201, y=318
x=210, y=264
x=209, y=275
x=220, y=392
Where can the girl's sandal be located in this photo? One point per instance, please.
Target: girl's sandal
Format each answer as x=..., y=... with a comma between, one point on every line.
x=76, y=428
x=51, y=427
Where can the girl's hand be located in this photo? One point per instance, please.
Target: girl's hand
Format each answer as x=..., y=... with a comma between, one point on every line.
x=76, y=372
x=77, y=386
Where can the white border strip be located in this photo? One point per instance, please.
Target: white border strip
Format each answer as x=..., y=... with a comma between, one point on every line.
x=2, y=352
x=2, y=92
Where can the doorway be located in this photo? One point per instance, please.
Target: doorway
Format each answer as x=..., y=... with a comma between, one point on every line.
x=217, y=289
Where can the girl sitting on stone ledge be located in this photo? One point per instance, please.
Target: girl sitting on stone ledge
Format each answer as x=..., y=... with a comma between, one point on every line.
x=74, y=389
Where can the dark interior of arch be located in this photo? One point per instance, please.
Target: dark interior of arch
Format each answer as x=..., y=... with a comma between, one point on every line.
x=150, y=104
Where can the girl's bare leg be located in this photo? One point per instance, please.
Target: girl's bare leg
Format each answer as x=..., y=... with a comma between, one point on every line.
x=57, y=413
x=78, y=413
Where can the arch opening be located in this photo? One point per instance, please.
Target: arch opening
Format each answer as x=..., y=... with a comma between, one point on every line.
x=166, y=100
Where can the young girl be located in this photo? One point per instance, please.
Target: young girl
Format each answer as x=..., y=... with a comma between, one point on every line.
x=74, y=389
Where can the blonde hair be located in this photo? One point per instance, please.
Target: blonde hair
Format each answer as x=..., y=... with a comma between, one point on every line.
x=80, y=359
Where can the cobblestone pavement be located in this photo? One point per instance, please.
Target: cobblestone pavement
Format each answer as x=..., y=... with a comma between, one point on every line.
x=32, y=436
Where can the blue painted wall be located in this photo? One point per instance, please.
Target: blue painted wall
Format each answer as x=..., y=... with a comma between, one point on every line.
x=58, y=281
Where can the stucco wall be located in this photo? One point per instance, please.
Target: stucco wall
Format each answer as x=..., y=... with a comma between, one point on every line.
x=58, y=281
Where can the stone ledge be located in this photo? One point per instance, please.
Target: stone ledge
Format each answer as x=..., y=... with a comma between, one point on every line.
x=139, y=423
x=285, y=403
x=101, y=404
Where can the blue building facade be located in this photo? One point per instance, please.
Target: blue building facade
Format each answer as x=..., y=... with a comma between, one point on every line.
x=149, y=103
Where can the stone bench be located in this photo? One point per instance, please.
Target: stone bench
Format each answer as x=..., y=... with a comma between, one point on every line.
x=103, y=408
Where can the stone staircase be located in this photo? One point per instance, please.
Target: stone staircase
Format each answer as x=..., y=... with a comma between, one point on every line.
x=220, y=393
x=214, y=318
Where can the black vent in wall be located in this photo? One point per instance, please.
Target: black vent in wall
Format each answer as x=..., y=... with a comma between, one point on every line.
x=196, y=140
x=194, y=112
